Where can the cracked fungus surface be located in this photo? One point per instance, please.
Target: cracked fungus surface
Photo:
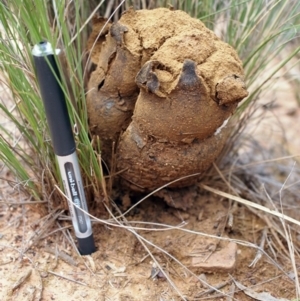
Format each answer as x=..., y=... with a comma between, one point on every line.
x=163, y=90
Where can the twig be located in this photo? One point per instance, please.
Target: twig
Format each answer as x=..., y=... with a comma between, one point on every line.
x=67, y=278
x=214, y=289
x=62, y=255
x=276, y=226
x=17, y=284
x=274, y=230
x=91, y=262
x=23, y=203
x=61, y=229
x=37, y=234
x=259, y=251
x=68, y=236
x=231, y=292
x=156, y=190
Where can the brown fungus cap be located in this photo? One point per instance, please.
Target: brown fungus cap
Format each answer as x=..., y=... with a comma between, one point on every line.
x=163, y=89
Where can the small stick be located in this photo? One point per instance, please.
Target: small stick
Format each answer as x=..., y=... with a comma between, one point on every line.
x=23, y=202
x=17, y=284
x=62, y=255
x=35, y=237
x=231, y=292
x=146, y=256
x=230, y=215
x=259, y=252
x=66, y=278
x=213, y=289
x=91, y=262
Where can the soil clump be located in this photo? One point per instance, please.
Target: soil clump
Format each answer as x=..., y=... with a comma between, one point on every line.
x=162, y=93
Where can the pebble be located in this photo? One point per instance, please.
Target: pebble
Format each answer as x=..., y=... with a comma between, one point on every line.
x=44, y=274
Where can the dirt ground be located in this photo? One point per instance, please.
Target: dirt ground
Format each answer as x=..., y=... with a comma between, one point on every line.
x=121, y=269
x=188, y=261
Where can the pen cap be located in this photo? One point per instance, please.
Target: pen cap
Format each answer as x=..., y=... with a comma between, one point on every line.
x=53, y=98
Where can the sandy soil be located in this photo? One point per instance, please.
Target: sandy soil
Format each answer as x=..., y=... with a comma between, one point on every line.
x=122, y=269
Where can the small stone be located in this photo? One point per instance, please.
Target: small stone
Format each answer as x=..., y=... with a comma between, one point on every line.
x=203, y=280
x=253, y=281
x=44, y=274
x=223, y=260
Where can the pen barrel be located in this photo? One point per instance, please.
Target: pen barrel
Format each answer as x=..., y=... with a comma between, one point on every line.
x=73, y=187
x=55, y=104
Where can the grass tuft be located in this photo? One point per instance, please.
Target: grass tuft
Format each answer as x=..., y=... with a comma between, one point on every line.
x=25, y=147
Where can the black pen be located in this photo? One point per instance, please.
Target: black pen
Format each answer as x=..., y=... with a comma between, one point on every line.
x=63, y=142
